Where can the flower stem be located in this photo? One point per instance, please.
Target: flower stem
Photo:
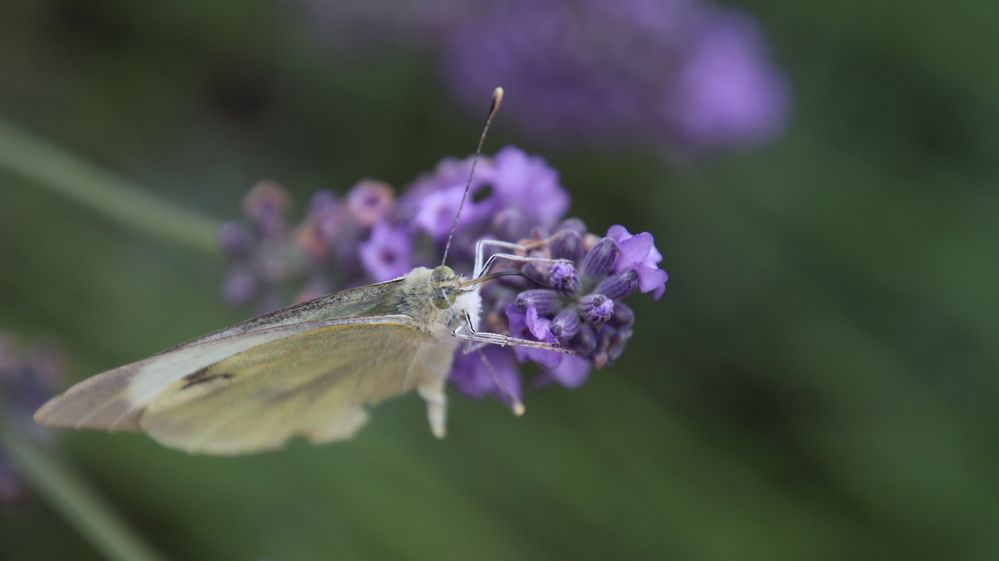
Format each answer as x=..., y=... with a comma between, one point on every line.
x=59, y=171
x=71, y=497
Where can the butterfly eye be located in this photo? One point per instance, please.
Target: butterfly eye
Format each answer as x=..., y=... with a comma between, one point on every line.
x=444, y=298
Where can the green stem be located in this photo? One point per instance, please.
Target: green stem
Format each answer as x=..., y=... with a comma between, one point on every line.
x=71, y=497
x=61, y=172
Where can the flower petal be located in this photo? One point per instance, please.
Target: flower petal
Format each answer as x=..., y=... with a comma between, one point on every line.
x=572, y=372
x=634, y=250
x=651, y=279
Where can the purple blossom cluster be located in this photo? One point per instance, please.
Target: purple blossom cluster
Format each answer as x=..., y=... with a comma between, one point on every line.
x=28, y=377
x=689, y=74
x=372, y=235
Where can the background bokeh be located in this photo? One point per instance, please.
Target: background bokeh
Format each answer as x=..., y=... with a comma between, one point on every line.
x=819, y=382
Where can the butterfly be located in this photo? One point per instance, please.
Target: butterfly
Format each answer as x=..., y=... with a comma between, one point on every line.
x=308, y=370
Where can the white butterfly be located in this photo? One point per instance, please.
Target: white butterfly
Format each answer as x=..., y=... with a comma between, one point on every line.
x=306, y=370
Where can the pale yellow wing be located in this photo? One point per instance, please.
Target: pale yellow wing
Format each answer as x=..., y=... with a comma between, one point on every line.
x=114, y=400
x=313, y=384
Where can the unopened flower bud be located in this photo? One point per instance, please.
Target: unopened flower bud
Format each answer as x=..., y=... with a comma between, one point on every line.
x=545, y=301
x=618, y=286
x=563, y=278
x=566, y=325
x=599, y=261
x=568, y=244
x=585, y=341
x=574, y=224
x=624, y=316
x=596, y=308
x=617, y=343
x=234, y=239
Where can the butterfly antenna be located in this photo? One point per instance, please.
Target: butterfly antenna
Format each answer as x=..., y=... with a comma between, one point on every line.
x=516, y=404
x=493, y=108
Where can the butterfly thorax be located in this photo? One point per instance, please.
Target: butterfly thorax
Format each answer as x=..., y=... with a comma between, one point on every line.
x=436, y=299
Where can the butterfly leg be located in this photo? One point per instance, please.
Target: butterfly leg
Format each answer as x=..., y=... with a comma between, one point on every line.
x=467, y=332
x=433, y=393
x=483, y=264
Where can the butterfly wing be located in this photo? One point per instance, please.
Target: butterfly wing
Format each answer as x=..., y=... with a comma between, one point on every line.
x=313, y=381
x=314, y=384
x=113, y=400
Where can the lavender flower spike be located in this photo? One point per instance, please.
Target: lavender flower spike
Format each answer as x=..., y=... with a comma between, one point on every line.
x=571, y=295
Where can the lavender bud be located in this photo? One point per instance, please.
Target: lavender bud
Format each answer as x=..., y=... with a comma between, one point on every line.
x=585, y=341
x=509, y=224
x=266, y=206
x=234, y=239
x=617, y=343
x=624, y=317
x=566, y=325
x=596, y=308
x=563, y=278
x=618, y=286
x=568, y=244
x=574, y=224
x=599, y=261
x=545, y=301
x=536, y=272
x=239, y=286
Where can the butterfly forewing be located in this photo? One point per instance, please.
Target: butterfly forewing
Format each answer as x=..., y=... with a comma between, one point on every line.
x=114, y=399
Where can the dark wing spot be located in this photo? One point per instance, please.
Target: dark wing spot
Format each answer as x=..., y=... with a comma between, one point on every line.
x=202, y=376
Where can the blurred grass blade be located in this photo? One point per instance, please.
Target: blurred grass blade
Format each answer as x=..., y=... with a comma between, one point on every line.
x=78, y=504
x=64, y=173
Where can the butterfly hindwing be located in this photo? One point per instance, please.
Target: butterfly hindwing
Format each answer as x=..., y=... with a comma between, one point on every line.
x=314, y=384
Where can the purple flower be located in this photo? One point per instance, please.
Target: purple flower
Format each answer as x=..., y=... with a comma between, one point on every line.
x=436, y=215
x=683, y=72
x=370, y=201
x=529, y=324
x=266, y=206
x=234, y=239
x=472, y=377
x=28, y=377
x=260, y=250
x=572, y=372
x=239, y=286
x=530, y=185
x=728, y=92
x=387, y=253
x=639, y=254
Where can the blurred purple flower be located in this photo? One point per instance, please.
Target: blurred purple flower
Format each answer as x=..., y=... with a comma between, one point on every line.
x=258, y=248
x=387, y=254
x=727, y=92
x=530, y=185
x=682, y=71
x=689, y=73
x=438, y=210
x=28, y=377
x=370, y=201
x=472, y=377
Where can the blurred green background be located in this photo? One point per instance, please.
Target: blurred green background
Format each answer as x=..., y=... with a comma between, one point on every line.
x=819, y=382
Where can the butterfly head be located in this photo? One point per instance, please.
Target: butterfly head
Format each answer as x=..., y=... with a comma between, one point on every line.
x=446, y=286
